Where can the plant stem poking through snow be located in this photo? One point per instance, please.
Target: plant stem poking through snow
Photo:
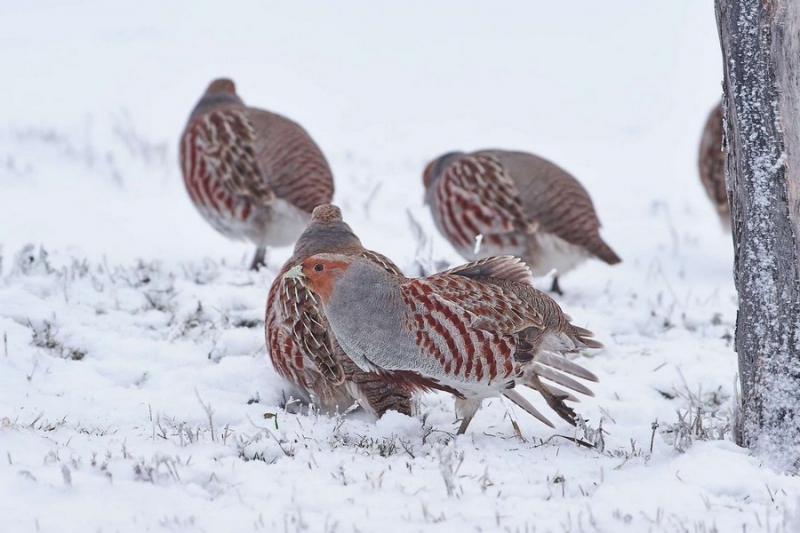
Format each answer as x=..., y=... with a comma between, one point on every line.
x=209, y=413
x=449, y=463
x=66, y=474
x=654, y=427
x=424, y=252
x=478, y=242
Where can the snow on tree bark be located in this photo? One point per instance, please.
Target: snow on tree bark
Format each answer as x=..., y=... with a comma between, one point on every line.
x=761, y=55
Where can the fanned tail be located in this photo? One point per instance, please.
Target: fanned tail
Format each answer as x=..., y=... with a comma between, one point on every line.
x=520, y=400
x=554, y=401
x=559, y=362
x=557, y=369
x=604, y=252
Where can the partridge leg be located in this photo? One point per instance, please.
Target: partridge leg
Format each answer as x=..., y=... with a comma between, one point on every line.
x=556, y=288
x=466, y=409
x=259, y=259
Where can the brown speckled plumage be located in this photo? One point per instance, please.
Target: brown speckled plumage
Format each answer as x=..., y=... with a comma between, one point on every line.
x=300, y=344
x=542, y=213
x=252, y=174
x=475, y=331
x=711, y=163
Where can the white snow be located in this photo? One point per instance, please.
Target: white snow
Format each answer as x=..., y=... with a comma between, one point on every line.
x=135, y=393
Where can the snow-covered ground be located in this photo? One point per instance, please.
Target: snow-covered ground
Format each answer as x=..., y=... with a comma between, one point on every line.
x=135, y=393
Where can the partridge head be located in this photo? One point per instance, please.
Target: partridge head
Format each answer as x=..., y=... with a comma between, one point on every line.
x=301, y=346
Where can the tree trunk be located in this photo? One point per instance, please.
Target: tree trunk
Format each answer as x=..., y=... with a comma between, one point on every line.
x=761, y=55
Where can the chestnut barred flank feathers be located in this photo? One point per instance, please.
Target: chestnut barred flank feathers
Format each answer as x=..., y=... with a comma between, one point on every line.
x=475, y=331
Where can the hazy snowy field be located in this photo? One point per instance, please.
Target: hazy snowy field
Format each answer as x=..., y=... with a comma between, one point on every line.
x=135, y=393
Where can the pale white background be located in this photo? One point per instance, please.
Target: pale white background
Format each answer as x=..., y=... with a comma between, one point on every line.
x=94, y=98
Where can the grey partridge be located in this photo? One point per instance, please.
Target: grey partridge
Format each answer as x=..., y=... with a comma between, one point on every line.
x=252, y=174
x=711, y=163
x=300, y=343
x=495, y=202
x=475, y=331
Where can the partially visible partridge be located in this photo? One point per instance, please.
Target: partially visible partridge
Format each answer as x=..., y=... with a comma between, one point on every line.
x=252, y=174
x=300, y=343
x=475, y=331
x=711, y=162
x=496, y=202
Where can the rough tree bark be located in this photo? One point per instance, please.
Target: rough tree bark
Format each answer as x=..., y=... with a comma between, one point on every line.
x=761, y=54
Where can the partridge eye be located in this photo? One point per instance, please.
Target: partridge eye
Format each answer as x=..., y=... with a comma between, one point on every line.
x=318, y=267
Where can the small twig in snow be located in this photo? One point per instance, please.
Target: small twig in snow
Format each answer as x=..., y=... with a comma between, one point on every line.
x=371, y=197
x=40, y=415
x=577, y=441
x=654, y=427
x=67, y=475
x=515, y=426
x=449, y=463
x=423, y=255
x=517, y=431
x=289, y=453
x=478, y=242
x=273, y=416
x=209, y=413
x=66, y=284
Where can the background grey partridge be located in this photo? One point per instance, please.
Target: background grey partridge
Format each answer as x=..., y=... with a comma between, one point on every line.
x=519, y=204
x=301, y=346
x=475, y=331
x=252, y=174
x=711, y=162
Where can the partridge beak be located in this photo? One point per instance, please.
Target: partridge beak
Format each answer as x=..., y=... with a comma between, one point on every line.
x=296, y=272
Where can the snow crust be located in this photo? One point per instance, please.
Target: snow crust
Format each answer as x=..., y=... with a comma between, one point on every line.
x=135, y=393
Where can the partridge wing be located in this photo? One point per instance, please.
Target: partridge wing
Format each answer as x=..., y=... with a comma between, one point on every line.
x=382, y=261
x=478, y=197
x=464, y=329
x=490, y=307
x=224, y=144
x=305, y=328
x=503, y=267
x=293, y=163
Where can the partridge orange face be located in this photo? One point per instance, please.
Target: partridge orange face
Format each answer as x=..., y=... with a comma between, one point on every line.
x=318, y=273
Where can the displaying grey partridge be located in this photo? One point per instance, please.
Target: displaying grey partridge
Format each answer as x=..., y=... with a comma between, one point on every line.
x=300, y=343
x=495, y=202
x=475, y=331
x=711, y=162
x=252, y=174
